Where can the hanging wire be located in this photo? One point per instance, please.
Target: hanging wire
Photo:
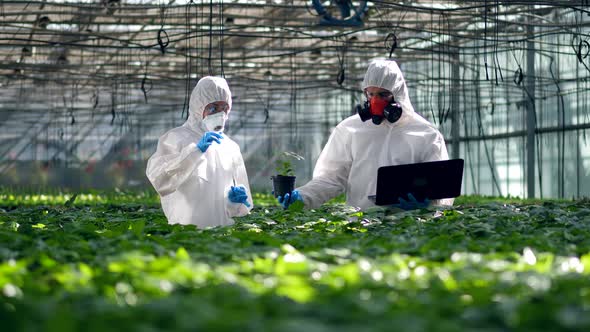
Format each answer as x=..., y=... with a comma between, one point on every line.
x=443, y=110
x=466, y=129
x=538, y=138
x=209, y=57
x=497, y=67
x=431, y=70
x=583, y=51
x=485, y=38
x=162, y=37
x=391, y=45
x=561, y=115
x=390, y=41
x=221, y=28
x=188, y=58
x=487, y=152
x=146, y=83
x=341, y=76
x=113, y=102
x=295, y=99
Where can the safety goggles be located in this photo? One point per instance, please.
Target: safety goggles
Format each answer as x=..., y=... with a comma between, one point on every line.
x=382, y=94
x=216, y=108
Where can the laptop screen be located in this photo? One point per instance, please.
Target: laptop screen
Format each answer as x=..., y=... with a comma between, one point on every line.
x=432, y=180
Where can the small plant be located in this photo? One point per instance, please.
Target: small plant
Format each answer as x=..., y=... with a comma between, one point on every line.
x=284, y=165
x=284, y=168
x=284, y=181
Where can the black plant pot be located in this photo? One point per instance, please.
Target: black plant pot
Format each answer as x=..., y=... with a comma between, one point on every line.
x=282, y=185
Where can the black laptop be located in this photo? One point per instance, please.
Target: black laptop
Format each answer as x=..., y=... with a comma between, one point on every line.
x=432, y=180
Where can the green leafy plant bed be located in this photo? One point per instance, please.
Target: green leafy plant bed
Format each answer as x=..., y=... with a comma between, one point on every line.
x=111, y=266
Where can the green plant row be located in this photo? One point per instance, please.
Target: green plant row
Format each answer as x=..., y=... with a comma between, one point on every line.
x=492, y=267
x=18, y=198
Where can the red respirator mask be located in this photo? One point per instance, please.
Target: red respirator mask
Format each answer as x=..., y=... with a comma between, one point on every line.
x=378, y=109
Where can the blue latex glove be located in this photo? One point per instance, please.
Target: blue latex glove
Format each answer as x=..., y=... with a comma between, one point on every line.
x=290, y=198
x=208, y=139
x=412, y=203
x=238, y=195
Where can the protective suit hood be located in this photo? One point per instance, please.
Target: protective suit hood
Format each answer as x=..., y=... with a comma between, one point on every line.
x=386, y=74
x=209, y=89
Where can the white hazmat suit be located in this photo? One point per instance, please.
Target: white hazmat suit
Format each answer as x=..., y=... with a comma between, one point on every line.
x=194, y=185
x=356, y=149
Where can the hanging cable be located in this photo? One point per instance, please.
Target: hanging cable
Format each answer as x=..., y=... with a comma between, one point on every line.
x=341, y=76
x=188, y=59
x=391, y=46
x=293, y=99
x=581, y=45
x=440, y=96
x=221, y=28
x=431, y=69
x=487, y=152
x=72, y=102
x=485, y=38
x=497, y=67
x=466, y=130
x=113, y=102
x=444, y=111
x=581, y=54
x=94, y=101
x=209, y=67
x=518, y=74
x=146, y=83
x=532, y=101
x=162, y=38
x=561, y=115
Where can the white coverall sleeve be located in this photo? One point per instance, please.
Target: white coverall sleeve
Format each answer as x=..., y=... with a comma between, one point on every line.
x=241, y=177
x=330, y=176
x=173, y=163
x=437, y=150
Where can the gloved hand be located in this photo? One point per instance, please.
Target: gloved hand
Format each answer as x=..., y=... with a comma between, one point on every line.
x=208, y=139
x=412, y=203
x=289, y=198
x=238, y=195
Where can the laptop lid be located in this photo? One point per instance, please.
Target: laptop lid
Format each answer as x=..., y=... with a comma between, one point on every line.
x=432, y=180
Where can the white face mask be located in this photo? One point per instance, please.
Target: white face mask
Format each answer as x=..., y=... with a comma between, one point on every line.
x=215, y=122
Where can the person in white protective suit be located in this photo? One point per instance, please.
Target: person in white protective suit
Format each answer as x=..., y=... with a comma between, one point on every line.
x=357, y=147
x=197, y=170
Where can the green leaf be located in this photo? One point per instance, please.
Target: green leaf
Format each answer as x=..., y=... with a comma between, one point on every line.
x=70, y=201
x=182, y=254
x=297, y=206
x=137, y=227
